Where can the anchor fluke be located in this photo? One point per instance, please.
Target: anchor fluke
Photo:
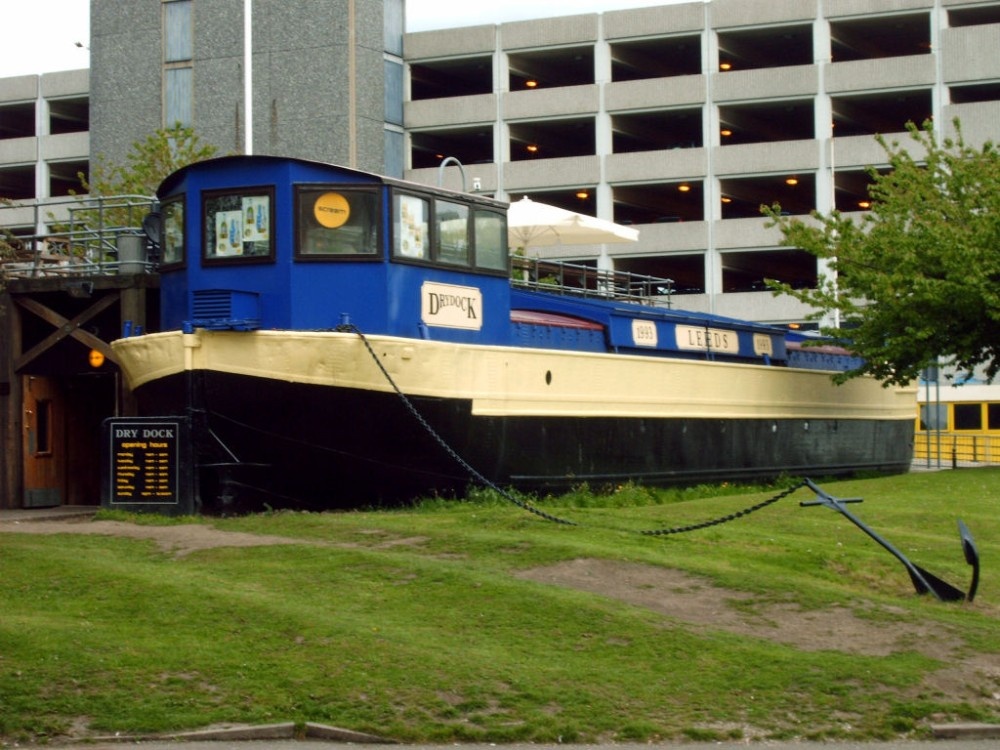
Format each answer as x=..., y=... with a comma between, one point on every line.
x=971, y=557
x=928, y=583
x=923, y=581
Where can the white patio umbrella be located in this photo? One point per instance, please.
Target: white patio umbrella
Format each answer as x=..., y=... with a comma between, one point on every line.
x=533, y=224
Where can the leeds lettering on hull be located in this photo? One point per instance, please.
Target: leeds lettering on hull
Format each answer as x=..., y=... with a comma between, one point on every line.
x=696, y=338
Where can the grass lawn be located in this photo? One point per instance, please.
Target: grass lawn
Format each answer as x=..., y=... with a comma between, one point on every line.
x=478, y=621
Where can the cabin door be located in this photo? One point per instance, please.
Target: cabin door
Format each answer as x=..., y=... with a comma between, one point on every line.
x=44, y=445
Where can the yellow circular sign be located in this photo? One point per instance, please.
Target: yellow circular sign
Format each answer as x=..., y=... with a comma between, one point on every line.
x=332, y=210
x=96, y=358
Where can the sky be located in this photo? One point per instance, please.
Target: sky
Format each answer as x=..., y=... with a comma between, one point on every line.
x=41, y=36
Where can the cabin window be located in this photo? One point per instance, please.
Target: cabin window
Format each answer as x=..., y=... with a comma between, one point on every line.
x=238, y=226
x=411, y=232
x=452, y=223
x=491, y=236
x=968, y=416
x=172, y=246
x=993, y=416
x=449, y=233
x=336, y=221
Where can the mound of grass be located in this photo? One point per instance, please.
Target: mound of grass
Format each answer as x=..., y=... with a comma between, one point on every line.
x=425, y=624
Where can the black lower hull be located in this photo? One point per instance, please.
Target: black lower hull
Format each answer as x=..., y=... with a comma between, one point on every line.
x=288, y=444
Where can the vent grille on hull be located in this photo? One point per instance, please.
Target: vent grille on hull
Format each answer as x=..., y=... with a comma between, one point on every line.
x=224, y=309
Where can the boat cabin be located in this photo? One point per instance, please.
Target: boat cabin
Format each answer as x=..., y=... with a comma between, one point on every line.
x=275, y=243
x=260, y=242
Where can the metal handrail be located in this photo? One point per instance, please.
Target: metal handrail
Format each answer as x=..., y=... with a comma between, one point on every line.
x=558, y=277
x=74, y=236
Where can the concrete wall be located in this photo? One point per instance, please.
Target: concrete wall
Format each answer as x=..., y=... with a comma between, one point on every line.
x=318, y=77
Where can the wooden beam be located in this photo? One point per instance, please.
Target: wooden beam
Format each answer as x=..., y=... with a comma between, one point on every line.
x=66, y=327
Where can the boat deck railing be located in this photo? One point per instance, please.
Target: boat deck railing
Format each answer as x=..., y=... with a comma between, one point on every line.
x=587, y=281
x=75, y=236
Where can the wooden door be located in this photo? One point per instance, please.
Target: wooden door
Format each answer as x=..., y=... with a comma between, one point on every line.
x=44, y=446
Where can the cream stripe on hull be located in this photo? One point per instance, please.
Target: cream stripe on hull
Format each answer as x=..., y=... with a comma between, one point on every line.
x=511, y=381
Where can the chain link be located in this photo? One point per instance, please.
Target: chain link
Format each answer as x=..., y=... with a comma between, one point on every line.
x=724, y=519
x=475, y=474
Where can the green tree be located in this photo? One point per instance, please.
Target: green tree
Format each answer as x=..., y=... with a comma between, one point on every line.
x=129, y=186
x=147, y=163
x=10, y=246
x=8, y=242
x=916, y=279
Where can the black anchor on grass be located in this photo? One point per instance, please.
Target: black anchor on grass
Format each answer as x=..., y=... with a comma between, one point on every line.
x=923, y=581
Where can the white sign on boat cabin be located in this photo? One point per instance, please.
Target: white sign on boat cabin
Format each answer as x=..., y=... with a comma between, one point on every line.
x=644, y=333
x=697, y=338
x=451, y=306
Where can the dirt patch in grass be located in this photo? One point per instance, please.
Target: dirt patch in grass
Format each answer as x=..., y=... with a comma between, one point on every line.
x=860, y=628
x=698, y=601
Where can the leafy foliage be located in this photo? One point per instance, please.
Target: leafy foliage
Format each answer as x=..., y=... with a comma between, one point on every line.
x=7, y=239
x=148, y=162
x=916, y=280
x=9, y=247
x=129, y=187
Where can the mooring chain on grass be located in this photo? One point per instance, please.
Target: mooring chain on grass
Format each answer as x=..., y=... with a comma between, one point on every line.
x=724, y=519
x=475, y=474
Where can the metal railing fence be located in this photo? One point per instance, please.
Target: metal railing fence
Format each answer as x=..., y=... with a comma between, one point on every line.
x=944, y=449
x=78, y=236
x=586, y=281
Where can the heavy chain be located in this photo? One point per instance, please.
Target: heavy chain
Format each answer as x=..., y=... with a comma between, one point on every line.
x=724, y=519
x=472, y=471
x=506, y=495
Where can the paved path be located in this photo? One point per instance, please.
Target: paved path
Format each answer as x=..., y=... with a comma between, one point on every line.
x=15, y=515
x=321, y=736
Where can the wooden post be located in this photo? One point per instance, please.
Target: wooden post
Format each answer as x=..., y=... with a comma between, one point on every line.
x=132, y=307
x=11, y=416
